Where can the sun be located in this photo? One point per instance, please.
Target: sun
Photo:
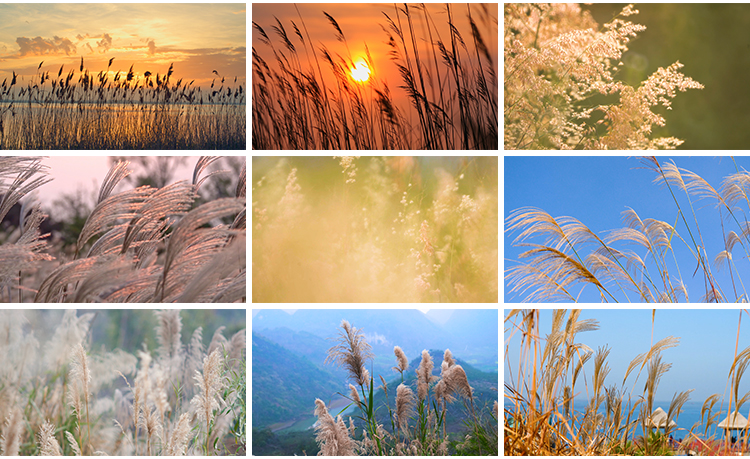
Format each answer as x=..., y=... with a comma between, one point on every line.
x=361, y=72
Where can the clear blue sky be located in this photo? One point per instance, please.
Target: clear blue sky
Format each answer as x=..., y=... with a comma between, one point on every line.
x=596, y=190
x=701, y=361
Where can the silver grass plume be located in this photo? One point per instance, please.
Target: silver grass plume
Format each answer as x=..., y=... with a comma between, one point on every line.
x=187, y=233
x=71, y=331
x=48, y=445
x=73, y=443
x=24, y=183
x=403, y=362
x=218, y=341
x=404, y=406
x=124, y=205
x=193, y=359
x=180, y=437
x=424, y=375
x=13, y=427
x=168, y=334
x=227, y=260
x=202, y=165
x=80, y=393
x=353, y=394
x=351, y=353
x=332, y=435
x=149, y=225
x=210, y=384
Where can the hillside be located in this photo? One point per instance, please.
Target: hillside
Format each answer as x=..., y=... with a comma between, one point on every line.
x=285, y=385
x=484, y=385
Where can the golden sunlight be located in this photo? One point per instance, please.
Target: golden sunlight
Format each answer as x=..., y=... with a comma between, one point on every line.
x=361, y=72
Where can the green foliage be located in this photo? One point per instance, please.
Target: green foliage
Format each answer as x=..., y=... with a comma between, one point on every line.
x=268, y=443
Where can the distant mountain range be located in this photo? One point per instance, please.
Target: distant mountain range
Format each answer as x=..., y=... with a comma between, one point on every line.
x=289, y=351
x=472, y=333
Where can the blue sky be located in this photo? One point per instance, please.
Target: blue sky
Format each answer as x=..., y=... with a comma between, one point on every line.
x=596, y=190
x=701, y=361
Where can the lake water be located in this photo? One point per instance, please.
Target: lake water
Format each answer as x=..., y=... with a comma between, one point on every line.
x=690, y=415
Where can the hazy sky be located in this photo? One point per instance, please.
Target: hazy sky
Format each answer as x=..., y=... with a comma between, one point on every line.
x=197, y=38
x=596, y=190
x=701, y=361
x=70, y=173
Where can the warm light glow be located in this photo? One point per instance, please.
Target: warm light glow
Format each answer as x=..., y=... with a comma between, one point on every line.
x=361, y=72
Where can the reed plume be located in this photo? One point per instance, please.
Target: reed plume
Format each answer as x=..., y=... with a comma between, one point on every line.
x=48, y=445
x=403, y=362
x=80, y=394
x=332, y=435
x=209, y=383
x=424, y=375
x=404, y=406
x=13, y=429
x=180, y=437
x=351, y=353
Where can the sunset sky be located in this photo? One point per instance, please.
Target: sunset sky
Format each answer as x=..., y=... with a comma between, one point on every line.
x=360, y=24
x=197, y=38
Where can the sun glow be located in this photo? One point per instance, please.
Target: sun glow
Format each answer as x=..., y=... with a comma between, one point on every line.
x=361, y=72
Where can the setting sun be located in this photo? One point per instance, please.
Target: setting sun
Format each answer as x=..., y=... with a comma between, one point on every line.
x=361, y=72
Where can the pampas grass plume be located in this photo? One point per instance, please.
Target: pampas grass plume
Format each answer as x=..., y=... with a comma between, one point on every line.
x=48, y=445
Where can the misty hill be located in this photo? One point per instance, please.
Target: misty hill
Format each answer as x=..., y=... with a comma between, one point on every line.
x=285, y=384
x=484, y=384
x=473, y=332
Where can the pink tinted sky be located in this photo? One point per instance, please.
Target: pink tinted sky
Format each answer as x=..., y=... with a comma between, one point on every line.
x=361, y=23
x=197, y=37
x=70, y=173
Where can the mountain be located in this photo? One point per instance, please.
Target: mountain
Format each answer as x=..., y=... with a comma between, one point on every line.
x=484, y=387
x=285, y=385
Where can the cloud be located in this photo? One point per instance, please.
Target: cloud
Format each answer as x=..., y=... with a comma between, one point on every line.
x=151, y=47
x=105, y=43
x=376, y=338
x=41, y=46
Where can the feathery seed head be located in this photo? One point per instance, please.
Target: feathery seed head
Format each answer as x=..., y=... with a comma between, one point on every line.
x=351, y=353
x=403, y=362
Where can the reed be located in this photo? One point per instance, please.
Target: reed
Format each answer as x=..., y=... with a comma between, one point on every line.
x=69, y=409
x=428, y=436
x=82, y=109
x=297, y=106
x=564, y=255
x=540, y=416
x=117, y=254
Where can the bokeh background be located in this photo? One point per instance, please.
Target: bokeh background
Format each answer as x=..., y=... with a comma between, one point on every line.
x=713, y=43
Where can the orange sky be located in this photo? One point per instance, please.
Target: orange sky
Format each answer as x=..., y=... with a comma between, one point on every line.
x=360, y=23
x=197, y=38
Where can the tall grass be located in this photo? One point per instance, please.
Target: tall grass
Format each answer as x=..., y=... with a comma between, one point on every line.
x=417, y=426
x=454, y=99
x=541, y=416
x=139, y=245
x=80, y=109
x=566, y=256
x=75, y=402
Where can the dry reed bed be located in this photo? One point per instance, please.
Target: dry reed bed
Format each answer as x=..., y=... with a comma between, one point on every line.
x=80, y=110
x=452, y=91
x=139, y=245
x=61, y=398
x=542, y=418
